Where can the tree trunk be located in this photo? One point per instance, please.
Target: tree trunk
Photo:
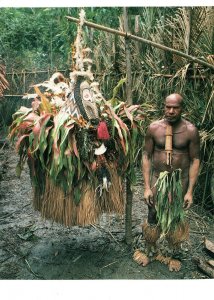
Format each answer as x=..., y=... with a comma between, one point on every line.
x=188, y=36
x=212, y=188
x=129, y=195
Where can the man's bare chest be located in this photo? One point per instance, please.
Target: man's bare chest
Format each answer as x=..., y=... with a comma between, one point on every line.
x=180, y=140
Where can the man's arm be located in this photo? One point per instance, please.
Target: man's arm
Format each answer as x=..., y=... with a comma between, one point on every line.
x=146, y=167
x=194, y=149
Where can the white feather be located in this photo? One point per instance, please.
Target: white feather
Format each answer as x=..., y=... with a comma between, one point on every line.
x=102, y=149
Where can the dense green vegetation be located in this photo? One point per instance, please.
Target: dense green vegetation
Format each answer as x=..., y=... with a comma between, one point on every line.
x=41, y=38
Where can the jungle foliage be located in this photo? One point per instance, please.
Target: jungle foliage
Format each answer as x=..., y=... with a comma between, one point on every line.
x=41, y=37
x=38, y=38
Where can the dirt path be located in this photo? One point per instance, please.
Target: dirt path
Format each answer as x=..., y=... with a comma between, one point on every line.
x=31, y=248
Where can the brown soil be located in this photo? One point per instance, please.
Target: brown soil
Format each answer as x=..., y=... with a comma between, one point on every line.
x=32, y=248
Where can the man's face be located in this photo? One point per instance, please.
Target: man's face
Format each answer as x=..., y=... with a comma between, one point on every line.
x=172, y=110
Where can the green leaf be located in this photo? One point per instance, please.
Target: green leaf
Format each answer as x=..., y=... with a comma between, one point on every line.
x=77, y=195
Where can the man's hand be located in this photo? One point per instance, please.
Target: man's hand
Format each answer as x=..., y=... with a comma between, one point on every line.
x=148, y=196
x=188, y=200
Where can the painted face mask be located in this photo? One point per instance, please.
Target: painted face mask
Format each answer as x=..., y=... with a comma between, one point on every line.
x=86, y=92
x=88, y=102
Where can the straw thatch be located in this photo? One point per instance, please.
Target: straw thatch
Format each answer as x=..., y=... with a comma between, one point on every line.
x=54, y=204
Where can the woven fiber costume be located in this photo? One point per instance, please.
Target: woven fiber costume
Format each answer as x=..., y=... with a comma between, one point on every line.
x=78, y=147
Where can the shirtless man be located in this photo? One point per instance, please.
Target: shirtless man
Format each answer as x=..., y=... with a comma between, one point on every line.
x=185, y=154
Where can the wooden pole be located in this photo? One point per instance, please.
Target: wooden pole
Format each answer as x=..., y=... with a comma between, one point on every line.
x=129, y=194
x=140, y=39
x=189, y=28
x=119, y=74
x=212, y=188
x=13, y=95
x=34, y=72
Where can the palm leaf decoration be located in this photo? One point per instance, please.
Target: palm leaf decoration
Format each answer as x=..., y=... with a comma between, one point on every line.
x=169, y=201
x=60, y=150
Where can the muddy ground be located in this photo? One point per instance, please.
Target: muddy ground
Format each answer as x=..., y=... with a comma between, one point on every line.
x=32, y=248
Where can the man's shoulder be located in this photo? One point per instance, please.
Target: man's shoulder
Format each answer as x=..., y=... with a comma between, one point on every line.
x=192, y=131
x=190, y=126
x=156, y=124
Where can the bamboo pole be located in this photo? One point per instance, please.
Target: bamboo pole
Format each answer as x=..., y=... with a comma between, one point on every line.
x=189, y=28
x=140, y=39
x=13, y=95
x=212, y=187
x=34, y=72
x=167, y=76
x=112, y=73
x=168, y=145
x=129, y=194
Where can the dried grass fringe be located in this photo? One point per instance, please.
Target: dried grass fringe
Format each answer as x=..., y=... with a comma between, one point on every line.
x=57, y=206
x=151, y=233
x=113, y=200
x=180, y=234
